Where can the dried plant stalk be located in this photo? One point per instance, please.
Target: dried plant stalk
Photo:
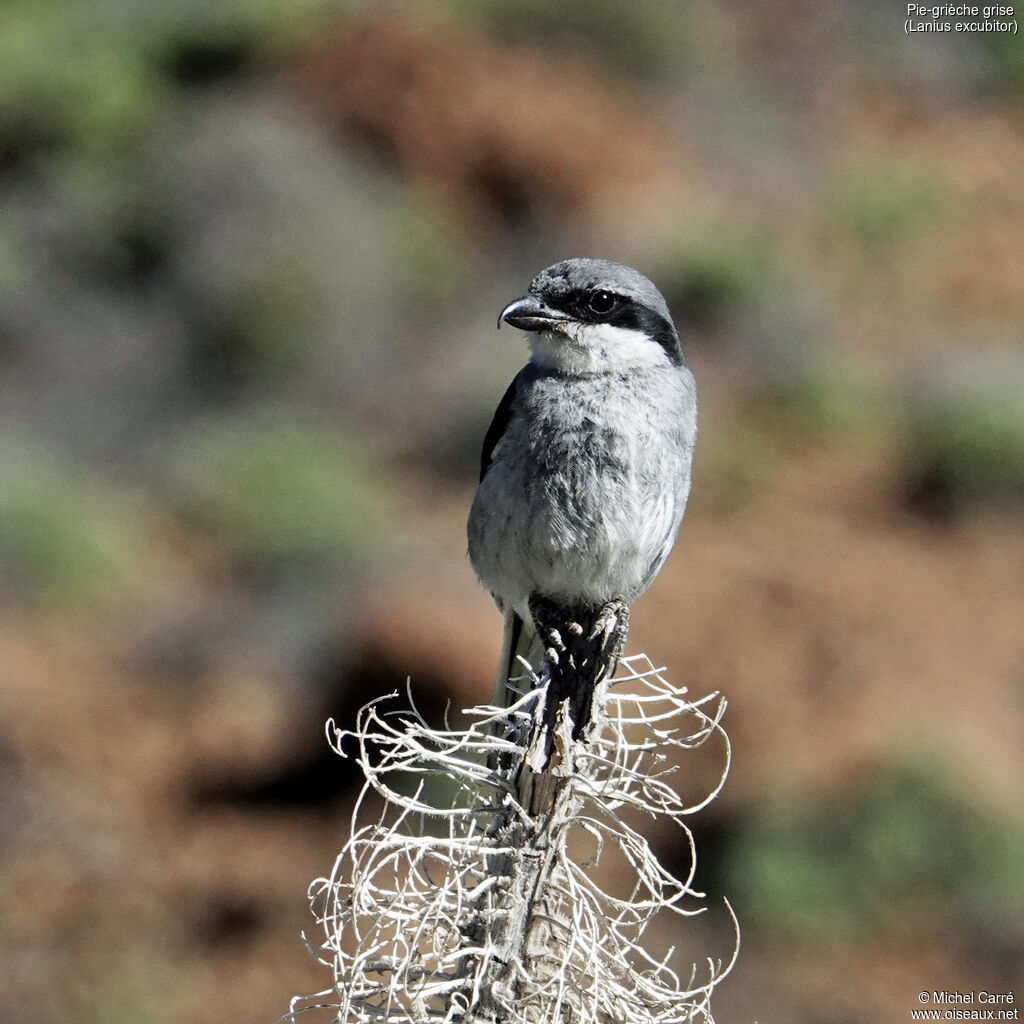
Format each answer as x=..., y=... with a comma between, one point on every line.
x=481, y=908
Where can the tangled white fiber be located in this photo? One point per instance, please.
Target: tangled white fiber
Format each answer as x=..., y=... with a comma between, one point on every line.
x=478, y=911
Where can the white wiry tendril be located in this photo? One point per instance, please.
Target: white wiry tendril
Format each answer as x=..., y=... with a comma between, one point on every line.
x=465, y=908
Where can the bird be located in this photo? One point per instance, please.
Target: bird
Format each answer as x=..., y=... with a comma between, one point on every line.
x=585, y=473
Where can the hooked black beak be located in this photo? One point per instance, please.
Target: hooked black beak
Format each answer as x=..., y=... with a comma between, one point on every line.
x=530, y=314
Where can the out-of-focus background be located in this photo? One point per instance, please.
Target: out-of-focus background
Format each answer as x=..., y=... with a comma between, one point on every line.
x=251, y=257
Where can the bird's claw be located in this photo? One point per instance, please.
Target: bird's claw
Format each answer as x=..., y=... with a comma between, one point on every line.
x=605, y=623
x=611, y=625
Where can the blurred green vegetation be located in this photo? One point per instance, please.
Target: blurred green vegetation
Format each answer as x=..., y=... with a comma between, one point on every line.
x=122, y=1002
x=276, y=491
x=795, y=401
x=732, y=464
x=721, y=265
x=71, y=79
x=644, y=39
x=94, y=69
x=816, y=398
x=1005, y=65
x=11, y=261
x=336, y=278
x=964, y=450
x=434, y=258
x=65, y=535
x=878, y=205
x=271, y=312
x=91, y=85
x=120, y=1013
x=903, y=850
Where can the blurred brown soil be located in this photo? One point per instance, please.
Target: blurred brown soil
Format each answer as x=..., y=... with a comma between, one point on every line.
x=968, y=266
x=110, y=871
x=501, y=131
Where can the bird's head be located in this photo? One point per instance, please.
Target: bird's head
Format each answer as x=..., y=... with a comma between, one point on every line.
x=594, y=316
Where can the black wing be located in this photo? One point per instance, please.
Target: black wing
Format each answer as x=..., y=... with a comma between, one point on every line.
x=498, y=426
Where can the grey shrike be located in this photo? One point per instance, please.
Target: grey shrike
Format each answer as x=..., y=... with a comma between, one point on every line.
x=585, y=471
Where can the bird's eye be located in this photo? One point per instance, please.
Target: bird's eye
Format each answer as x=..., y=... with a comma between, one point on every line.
x=601, y=302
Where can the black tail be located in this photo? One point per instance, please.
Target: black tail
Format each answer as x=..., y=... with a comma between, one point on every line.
x=521, y=643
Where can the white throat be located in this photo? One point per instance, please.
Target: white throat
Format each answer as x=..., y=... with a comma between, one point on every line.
x=586, y=349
